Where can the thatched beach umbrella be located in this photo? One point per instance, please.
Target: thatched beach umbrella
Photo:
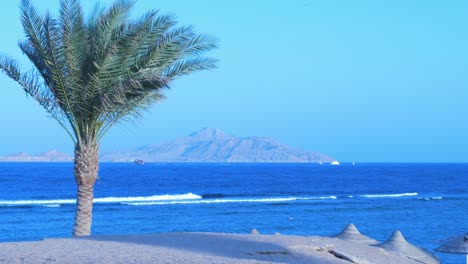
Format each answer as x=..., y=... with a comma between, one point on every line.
x=254, y=232
x=457, y=245
x=398, y=243
x=352, y=234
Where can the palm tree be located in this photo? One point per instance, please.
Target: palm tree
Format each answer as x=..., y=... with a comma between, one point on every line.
x=93, y=72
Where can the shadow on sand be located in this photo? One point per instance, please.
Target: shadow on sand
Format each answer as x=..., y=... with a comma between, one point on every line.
x=248, y=247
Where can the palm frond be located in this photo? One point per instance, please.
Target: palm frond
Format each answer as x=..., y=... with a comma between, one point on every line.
x=102, y=30
x=91, y=73
x=187, y=66
x=113, y=64
x=130, y=110
x=73, y=35
x=32, y=86
x=42, y=51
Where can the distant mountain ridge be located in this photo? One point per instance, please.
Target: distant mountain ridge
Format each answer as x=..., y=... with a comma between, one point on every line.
x=213, y=145
x=205, y=145
x=51, y=156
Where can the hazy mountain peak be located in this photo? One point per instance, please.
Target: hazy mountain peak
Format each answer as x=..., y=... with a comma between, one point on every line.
x=20, y=154
x=208, y=133
x=213, y=145
x=50, y=153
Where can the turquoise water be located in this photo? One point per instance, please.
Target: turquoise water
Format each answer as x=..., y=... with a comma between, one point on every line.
x=427, y=202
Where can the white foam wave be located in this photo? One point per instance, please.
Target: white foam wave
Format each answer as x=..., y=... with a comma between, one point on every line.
x=188, y=198
x=52, y=205
x=36, y=202
x=254, y=200
x=331, y=197
x=389, y=195
x=58, y=202
x=167, y=197
x=430, y=198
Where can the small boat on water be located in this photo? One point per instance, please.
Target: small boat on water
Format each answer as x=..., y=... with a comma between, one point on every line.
x=335, y=163
x=139, y=162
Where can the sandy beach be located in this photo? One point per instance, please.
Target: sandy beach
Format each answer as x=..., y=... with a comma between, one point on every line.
x=197, y=248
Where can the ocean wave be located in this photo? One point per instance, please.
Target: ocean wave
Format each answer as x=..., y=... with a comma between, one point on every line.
x=52, y=205
x=110, y=200
x=396, y=195
x=430, y=198
x=191, y=198
x=251, y=200
x=213, y=195
x=331, y=197
x=166, y=197
x=36, y=202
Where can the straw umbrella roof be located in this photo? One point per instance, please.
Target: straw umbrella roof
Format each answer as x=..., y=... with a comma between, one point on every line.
x=397, y=243
x=352, y=234
x=254, y=232
x=458, y=245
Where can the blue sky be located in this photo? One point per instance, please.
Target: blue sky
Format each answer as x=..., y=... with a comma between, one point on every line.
x=358, y=80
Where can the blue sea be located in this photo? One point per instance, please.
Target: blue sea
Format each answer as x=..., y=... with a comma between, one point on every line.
x=426, y=202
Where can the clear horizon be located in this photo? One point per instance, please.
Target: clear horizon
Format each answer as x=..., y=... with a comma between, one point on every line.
x=375, y=82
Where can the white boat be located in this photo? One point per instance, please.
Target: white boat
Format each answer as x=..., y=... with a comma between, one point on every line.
x=335, y=163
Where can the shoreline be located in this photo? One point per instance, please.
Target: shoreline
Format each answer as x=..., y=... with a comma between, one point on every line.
x=197, y=248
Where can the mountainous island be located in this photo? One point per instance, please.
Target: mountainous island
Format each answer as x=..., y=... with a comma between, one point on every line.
x=51, y=156
x=205, y=145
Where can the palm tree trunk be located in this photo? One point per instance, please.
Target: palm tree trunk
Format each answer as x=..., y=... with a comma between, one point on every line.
x=86, y=173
